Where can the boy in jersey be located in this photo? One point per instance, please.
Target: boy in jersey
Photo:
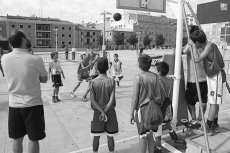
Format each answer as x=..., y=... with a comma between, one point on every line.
x=116, y=69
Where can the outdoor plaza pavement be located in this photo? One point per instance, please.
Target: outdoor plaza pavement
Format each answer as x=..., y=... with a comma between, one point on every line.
x=68, y=122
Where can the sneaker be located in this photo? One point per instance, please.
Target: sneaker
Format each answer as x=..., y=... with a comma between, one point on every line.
x=54, y=99
x=156, y=150
x=84, y=99
x=193, y=124
x=216, y=128
x=72, y=95
x=208, y=130
x=57, y=99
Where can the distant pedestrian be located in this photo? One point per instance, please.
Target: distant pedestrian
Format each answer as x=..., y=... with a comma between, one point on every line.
x=102, y=96
x=73, y=52
x=66, y=52
x=116, y=66
x=24, y=73
x=1, y=54
x=55, y=71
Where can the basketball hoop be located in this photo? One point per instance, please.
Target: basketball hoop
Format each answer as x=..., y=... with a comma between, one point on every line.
x=144, y=3
x=132, y=16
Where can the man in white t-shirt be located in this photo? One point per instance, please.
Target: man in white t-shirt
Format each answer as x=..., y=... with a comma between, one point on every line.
x=73, y=52
x=24, y=73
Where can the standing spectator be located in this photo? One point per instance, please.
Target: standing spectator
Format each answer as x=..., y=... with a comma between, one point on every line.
x=24, y=73
x=73, y=52
x=1, y=54
x=216, y=76
x=66, y=52
x=149, y=83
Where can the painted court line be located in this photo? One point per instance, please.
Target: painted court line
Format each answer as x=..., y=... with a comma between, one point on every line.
x=164, y=144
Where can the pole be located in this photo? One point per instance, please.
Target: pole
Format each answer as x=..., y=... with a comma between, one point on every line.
x=193, y=14
x=225, y=39
x=56, y=40
x=177, y=69
x=197, y=84
x=103, y=46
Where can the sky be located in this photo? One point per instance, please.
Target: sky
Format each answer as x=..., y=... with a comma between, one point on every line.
x=72, y=10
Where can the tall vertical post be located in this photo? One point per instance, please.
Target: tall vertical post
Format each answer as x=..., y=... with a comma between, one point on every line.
x=103, y=46
x=197, y=84
x=177, y=69
x=56, y=40
x=225, y=40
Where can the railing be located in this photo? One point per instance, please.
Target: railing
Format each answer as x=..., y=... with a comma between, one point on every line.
x=62, y=57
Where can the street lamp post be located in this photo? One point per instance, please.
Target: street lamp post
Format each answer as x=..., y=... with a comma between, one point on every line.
x=56, y=37
x=104, y=46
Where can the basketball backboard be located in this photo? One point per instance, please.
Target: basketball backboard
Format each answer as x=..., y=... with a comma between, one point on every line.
x=143, y=5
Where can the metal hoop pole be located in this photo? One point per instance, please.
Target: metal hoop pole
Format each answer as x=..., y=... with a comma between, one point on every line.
x=197, y=84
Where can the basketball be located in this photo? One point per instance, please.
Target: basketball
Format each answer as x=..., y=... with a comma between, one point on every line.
x=117, y=16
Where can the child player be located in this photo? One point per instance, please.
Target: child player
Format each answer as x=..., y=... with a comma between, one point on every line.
x=102, y=96
x=116, y=69
x=143, y=89
x=93, y=74
x=166, y=86
x=82, y=73
x=55, y=71
x=216, y=76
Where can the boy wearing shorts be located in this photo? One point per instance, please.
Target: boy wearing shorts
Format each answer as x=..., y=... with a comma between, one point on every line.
x=215, y=75
x=116, y=69
x=55, y=72
x=102, y=96
x=166, y=86
x=93, y=74
x=191, y=90
x=142, y=90
x=82, y=73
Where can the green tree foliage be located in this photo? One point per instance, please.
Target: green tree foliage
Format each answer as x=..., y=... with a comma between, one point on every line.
x=184, y=41
x=147, y=40
x=100, y=40
x=160, y=40
x=119, y=38
x=132, y=40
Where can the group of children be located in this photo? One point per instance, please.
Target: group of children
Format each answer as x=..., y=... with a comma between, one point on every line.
x=102, y=91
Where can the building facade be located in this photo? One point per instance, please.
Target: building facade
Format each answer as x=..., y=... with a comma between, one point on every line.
x=41, y=30
x=86, y=36
x=214, y=18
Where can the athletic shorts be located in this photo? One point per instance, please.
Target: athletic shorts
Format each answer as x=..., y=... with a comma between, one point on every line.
x=110, y=127
x=29, y=120
x=159, y=131
x=192, y=95
x=56, y=79
x=141, y=129
x=216, y=89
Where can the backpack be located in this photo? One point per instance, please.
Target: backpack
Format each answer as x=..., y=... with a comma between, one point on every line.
x=149, y=112
x=166, y=108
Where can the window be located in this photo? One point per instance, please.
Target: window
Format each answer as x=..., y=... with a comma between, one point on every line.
x=70, y=43
x=63, y=35
x=93, y=40
x=29, y=26
x=94, y=33
x=70, y=28
x=13, y=26
x=88, y=34
x=39, y=27
x=82, y=33
x=21, y=26
x=56, y=27
x=69, y=35
x=63, y=28
x=88, y=41
x=110, y=33
x=63, y=43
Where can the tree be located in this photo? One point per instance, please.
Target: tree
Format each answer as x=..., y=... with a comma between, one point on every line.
x=147, y=40
x=132, y=40
x=100, y=40
x=184, y=41
x=118, y=38
x=160, y=40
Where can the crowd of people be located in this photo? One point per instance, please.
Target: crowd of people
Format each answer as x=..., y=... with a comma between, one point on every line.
x=25, y=72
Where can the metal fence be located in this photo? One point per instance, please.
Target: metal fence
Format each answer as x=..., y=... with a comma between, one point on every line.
x=63, y=57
